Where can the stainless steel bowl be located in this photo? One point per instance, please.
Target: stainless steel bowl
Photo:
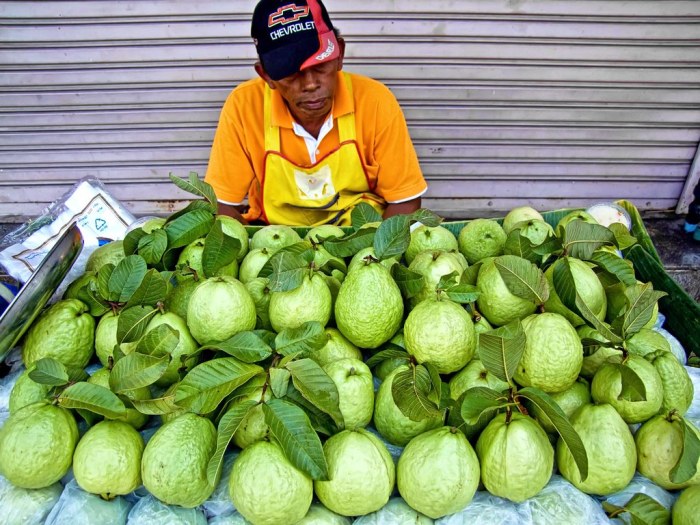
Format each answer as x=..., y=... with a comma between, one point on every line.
x=36, y=292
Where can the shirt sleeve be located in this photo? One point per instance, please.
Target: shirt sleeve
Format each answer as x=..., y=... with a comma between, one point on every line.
x=399, y=176
x=230, y=170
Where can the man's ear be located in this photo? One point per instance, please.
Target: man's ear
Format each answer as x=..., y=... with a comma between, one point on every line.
x=341, y=45
x=260, y=70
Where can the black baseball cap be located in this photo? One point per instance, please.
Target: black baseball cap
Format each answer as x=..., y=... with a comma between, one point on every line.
x=291, y=35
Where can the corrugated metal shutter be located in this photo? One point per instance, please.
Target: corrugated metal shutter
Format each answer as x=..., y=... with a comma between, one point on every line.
x=551, y=103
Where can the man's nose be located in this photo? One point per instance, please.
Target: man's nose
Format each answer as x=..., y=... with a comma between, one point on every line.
x=309, y=79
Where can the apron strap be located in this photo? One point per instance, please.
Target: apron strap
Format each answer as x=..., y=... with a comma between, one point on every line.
x=346, y=123
x=272, y=133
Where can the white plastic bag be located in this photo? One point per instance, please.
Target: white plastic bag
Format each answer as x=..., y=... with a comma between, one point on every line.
x=676, y=346
x=693, y=412
x=151, y=511
x=640, y=485
x=26, y=506
x=220, y=502
x=560, y=502
x=486, y=509
x=395, y=512
x=7, y=383
x=77, y=507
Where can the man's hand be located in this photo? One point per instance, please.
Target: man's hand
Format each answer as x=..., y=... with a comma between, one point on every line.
x=232, y=211
x=401, y=207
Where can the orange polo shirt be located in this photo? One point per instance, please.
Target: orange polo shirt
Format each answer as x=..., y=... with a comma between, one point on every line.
x=237, y=159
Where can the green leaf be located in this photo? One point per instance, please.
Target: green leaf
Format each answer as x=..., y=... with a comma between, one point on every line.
x=411, y=390
x=500, y=350
x=208, y=383
x=614, y=265
x=188, y=227
x=104, y=275
x=219, y=250
x=249, y=347
x=393, y=352
x=49, y=371
x=562, y=425
x=523, y=278
x=131, y=241
x=581, y=238
x=426, y=217
x=623, y=238
x=480, y=405
x=195, y=186
x=408, y=281
x=94, y=398
x=151, y=291
x=90, y=295
x=320, y=421
x=448, y=280
x=631, y=385
x=292, y=429
x=520, y=246
x=133, y=322
x=463, y=293
x=153, y=245
x=279, y=381
x=436, y=390
x=351, y=244
x=137, y=370
x=393, y=237
x=157, y=406
x=126, y=278
x=363, y=214
x=159, y=341
x=643, y=510
x=686, y=466
x=471, y=273
x=641, y=300
x=288, y=271
x=304, y=339
x=228, y=424
x=315, y=385
x=76, y=374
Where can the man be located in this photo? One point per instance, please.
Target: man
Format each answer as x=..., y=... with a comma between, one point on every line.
x=307, y=142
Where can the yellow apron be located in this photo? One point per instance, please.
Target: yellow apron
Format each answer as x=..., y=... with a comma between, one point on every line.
x=324, y=193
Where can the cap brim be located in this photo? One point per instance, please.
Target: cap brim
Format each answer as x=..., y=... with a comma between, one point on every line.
x=291, y=59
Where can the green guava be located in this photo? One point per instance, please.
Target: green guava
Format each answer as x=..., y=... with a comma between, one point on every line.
x=185, y=346
x=647, y=341
x=359, y=259
x=324, y=231
x=253, y=426
x=481, y=238
x=580, y=215
x=535, y=230
x=495, y=301
x=106, y=338
x=678, y=389
x=27, y=391
x=355, y=385
x=191, y=256
x=588, y=287
x=569, y=400
x=474, y=375
x=252, y=264
x=519, y=214
x=337, y=347
x=133, y=417
x=178, y=298
x=259, y=290
x=395, y=511
x=274, y=237
x=110, y=253
x=235, y=229
x=311, y=301
x=685, y=508
x=433, y=266
x=430, y=238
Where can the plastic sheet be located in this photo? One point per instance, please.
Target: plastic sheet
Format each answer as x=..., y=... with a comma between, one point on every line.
x=26, y=506
x=220, y=502
x=640, y=485
x=486, y=509
x=77, y=507
x=395, y=512
x=676, y=346
x=150, y=511
x=693, y=413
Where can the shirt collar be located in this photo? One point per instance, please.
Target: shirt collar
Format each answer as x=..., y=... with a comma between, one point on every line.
x=342, y=104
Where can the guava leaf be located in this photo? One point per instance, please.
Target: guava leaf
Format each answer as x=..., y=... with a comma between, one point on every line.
x=392, y=352
x=408, y=281
x=565, y=286
x=228, y=424
x=279, y=381
x=292, y=429
x=126, y=278
x=480, y=405
x=76, y=374
x=131, y=241
x=471, y=273
x=643, y=510
x=520, y=246
x=561, y=424
x=351, y=244
x=623, y=238
x=158, y=406
x=133, y=322
x=288, y=271
x=104, y=274
x=320, y=421
x=94, y=398
x=300, y=250
x=137, y=370
x=614, y=265
x=500, y=350
x=631, y=385
x=302, y=340
x=426, y=217
x=641, y=299
x=523, y=278
x=363, y=214
x=581, y=238
x=411, y=391
x=159, y=341
x=393, y=237
x=686, y=466
x=436, y=392
x=463, y=293
x=49, y=371
x=219, y=250
x=90, y=295
x=551, y=245
x=188, y=227
x=198, y=187
x=153, y=245
x=151, y=291
x=314, y=384
x=249, y=347
x=208, y=383
x=448, y=280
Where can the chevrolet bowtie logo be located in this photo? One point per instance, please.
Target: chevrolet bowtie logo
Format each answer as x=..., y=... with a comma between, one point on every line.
x=287, y=14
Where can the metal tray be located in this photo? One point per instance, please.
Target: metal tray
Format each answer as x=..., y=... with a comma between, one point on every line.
x=36, y=292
